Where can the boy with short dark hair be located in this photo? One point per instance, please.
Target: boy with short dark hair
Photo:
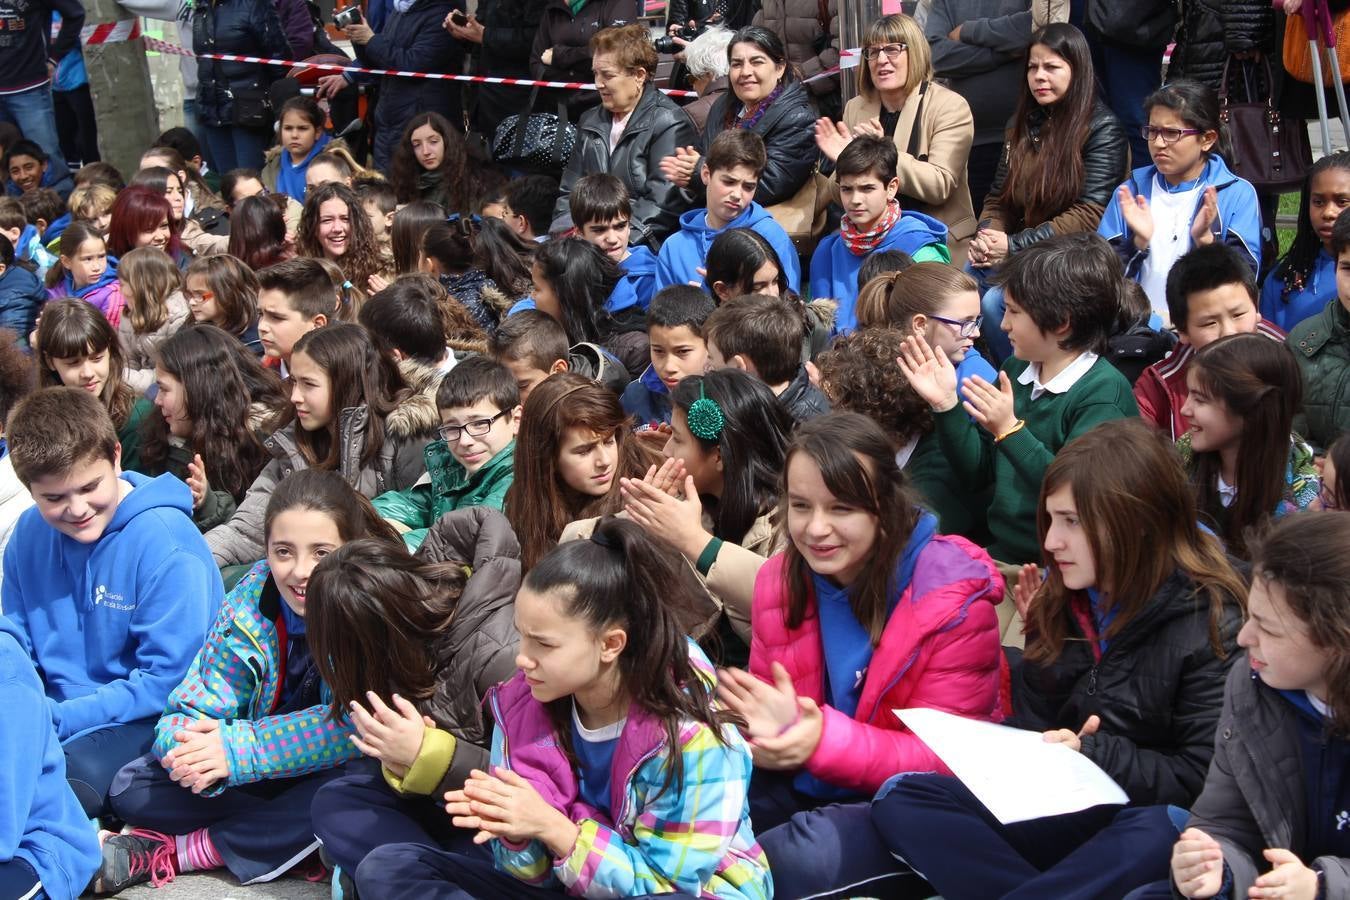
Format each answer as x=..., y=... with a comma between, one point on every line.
x=470, y=463
x=108, y=582
x=675, y=336
x=28, y=167
x=763, y=336
x=1321, y=344
x=380, y=202
x=529, y=206
x=602, y=213
x=1211, y=293
x=873, y=222
x=731, y=172
x=1062, y=298
x=533, y=346
x=406, y=321
x=40, y=208
x=296, y=297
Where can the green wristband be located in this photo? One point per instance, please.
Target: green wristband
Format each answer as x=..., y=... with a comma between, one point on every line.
x=708, y=556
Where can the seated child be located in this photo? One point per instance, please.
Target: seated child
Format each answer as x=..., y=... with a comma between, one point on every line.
x=1138, y=340
x=529, y=206
x=1304, y=279
x=873, y=220
x=108, y=583
x=379, y=202
x=21, y=293
x=601, y=214
x=295, y=297
x=222, y=290
x=25, y=237
x=28, y=168
x=731, y=172
x=93, y=203
x=470, y=463
x=1321, y=344
x=675, y=334
x=763, y=336
x=249, y=735
x=1062, y=298
x=533, y=345
x=1210, y=294
x=46, y=212
x=406, y=320
x=86, y=271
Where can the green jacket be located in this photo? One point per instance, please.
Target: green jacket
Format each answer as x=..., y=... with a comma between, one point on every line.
x=959, y=507
x=1016, y=465
x=1321, y=344
x=130, y=437
x=446, y=487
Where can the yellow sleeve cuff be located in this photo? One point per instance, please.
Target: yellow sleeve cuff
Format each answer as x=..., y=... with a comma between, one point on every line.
x=426, y=772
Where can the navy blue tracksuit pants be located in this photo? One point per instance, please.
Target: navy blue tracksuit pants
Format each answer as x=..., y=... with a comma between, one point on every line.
x=260, y=830
x=94, y=758
x=937, y=826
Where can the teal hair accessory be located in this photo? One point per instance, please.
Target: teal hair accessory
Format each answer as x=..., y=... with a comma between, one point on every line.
x=705, y=417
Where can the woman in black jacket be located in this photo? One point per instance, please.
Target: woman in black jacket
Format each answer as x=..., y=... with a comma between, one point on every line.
x=562, y=45
x=1128, y=645
x=504, y=32
x=232, y=100
x=653, y=125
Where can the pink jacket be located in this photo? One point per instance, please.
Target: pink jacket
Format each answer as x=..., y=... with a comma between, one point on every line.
x=940, y=650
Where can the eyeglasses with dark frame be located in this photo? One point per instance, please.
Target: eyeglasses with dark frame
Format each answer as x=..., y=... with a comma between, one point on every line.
x=964, y=327
x=891, y=51
x=476, y=428
x=1169, y=136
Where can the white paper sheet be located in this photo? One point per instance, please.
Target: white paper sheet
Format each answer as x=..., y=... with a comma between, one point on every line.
x=1014, y=773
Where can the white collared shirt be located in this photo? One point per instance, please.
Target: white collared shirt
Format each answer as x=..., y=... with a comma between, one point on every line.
x=1061, y=383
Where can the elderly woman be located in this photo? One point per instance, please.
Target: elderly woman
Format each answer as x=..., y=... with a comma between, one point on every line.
x=705, y=58
x=767, y=97
x=932, y=126
x=627, y=136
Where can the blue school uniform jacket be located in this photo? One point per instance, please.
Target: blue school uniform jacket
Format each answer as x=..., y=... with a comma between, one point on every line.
x=21, y=294
x=113, y=625
x=1287, y=309
x=41, y=822
x=647, y=399
x=834, y=268
x=686, y=250
x=638, y=283
x=1238, y=224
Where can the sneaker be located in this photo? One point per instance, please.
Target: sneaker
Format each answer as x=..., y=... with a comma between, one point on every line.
x=138, y=856
x=344, y=888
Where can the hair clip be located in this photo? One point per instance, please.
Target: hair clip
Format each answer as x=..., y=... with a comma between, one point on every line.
x=705, y=417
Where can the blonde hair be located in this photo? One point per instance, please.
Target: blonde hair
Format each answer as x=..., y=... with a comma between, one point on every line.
x=89, y=201
x=897, y=29
x=148, y=277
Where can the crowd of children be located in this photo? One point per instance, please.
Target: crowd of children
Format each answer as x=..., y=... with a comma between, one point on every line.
x=365, y=530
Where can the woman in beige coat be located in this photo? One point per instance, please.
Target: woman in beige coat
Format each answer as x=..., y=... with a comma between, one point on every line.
x=932, y=126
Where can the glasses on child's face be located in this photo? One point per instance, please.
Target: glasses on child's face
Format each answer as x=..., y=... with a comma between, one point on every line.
x=476, y=428
x=1169, y=136
x=200, y=296
x=890, y=51
x=964, y=327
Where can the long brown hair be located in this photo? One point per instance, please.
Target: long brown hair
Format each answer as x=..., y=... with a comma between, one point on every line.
x=1127, y=481
x=329, y=493
x=234, y=286
x=374, y=612
x=362, y=258
x=1304, y=554
x=1258, y=381
x=149, y=277
x=1045, y=172
x=69, y=328
x=857, y=463
x=538, y=504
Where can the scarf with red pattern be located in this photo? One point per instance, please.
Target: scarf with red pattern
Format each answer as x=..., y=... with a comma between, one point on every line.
x=860, y=243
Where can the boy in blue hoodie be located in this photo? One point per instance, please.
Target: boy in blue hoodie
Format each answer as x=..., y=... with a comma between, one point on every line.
x=26, y=237
x=109, y=584
x=46, y=845
x=602, y=213
x=675, y=336
x=20, y=294
x=731, y=172
x=873, y=221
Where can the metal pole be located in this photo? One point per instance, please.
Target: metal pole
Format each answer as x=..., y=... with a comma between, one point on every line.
x=119, y=84
x=854, y=17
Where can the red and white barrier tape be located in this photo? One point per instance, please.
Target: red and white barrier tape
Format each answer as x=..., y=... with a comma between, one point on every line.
x=105, y=32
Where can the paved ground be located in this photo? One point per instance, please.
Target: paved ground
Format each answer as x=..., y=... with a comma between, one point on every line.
x=223, y=887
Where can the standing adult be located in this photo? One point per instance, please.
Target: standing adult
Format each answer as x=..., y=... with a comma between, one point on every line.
x=562, y=45
x=27, y=62
x=809, y=29
x=499, y=35
x=232, y=96
x=1127, y=38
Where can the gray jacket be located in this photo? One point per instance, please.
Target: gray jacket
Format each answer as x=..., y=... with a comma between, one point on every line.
x=399, y=464
x=986, y=66
x=1254, y=797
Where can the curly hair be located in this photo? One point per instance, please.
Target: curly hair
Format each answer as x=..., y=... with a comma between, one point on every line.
x=362, y=258
x=858, y=373
x=454, y=190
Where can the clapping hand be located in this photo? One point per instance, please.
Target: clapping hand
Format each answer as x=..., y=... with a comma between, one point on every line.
x=783, y=728
x=1197, y=864
x=196, y=480
x=504, y=805
x=929, y=372
x=832, y=137
x=679, y=169
x=1203, y=224
x=1028, y=583
x=991, y=406
x=1138, y=218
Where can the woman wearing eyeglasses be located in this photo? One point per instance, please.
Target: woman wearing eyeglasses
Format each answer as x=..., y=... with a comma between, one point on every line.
x=1186, y=198
x=1064, y=156
x=931, y=125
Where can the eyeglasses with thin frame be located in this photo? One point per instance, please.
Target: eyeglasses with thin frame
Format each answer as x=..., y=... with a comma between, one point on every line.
x=1169, y=136
x=964, y=327
x=477, y=428
x=890, y=51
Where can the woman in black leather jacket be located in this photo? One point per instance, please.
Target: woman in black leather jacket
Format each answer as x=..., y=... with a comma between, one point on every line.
x=652, y=127
x=232, y=96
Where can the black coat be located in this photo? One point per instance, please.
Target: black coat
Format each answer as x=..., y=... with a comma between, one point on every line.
x=788, y=129
x=245, y=27
x=1158, y=689
x=655, y=129
x=414, y=41
x=1212, y=30
x=509, y=27
x=569, y=37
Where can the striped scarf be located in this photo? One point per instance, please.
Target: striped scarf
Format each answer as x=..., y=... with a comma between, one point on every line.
x=860, y=243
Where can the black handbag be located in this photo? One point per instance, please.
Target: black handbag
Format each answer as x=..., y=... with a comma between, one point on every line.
x=252, y=108
x=1271, y=153
x=539, y=142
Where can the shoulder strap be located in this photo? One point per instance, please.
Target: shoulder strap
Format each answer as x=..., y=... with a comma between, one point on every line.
x=913, y=147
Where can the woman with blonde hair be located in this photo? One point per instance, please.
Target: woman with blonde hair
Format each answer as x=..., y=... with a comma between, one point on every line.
x=931, y=125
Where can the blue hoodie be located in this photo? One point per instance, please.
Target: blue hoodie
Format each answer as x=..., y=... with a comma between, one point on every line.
x=31, y=249
x=57, y=177
x=21, y=295
x=113, y=625
x=1287, y=311
x=291, y=176
x=647, y=399
x=41, y=822
x=834, y=268
x=685, y=251
x=638, y=283
x=52, y=236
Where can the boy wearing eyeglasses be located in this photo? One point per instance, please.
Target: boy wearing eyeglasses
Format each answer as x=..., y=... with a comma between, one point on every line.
x=471, y=463
x=873, y=221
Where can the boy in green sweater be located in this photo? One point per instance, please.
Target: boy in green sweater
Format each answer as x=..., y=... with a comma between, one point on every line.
x=471, y=463
x=1062, y=297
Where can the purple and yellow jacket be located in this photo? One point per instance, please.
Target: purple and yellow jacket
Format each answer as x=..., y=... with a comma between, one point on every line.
x=693, y=837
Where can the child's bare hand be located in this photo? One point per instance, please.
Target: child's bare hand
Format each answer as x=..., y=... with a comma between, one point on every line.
x=989, y=405
x=196, y=480
x=669, y=477
x=1197, y=864
x=929, y=372
x=391, y=735
x=1028, y=583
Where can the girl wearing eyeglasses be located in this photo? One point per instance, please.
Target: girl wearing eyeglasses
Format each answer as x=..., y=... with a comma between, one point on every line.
x=1185, y=198
x=931, y=125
